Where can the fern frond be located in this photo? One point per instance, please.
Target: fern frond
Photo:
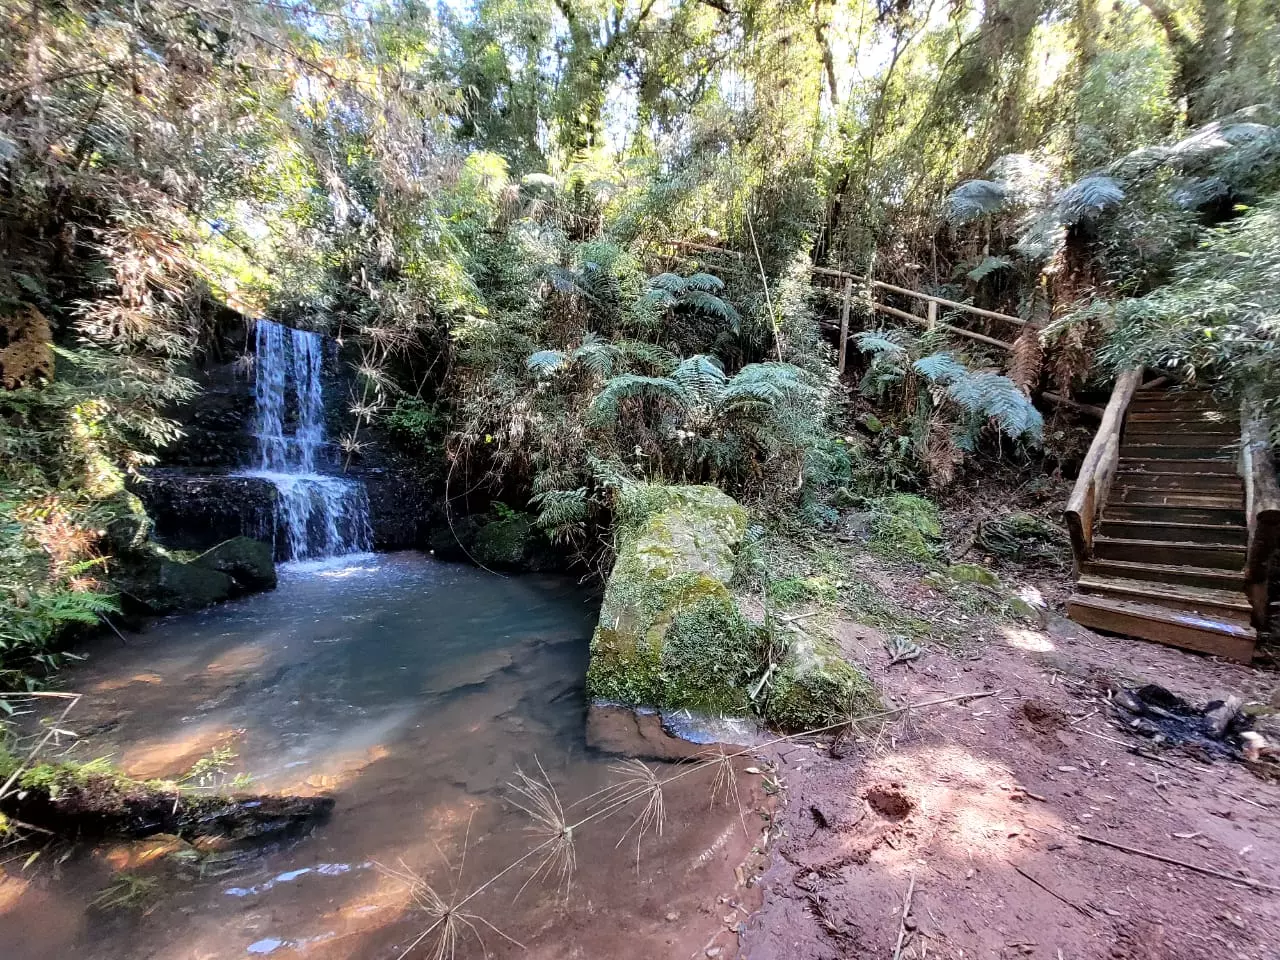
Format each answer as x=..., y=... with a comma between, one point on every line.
x=1087, y=198
x=1027, y=360
x=706, y=282
x=940, y=368
x=701, y=377
x=987, y=266
x=545, y=362
x=975, y=199
x=877, y=344
x=597, y=356
x=992, y=396
x=608, y=402
x=712, y=306
x=670, y=282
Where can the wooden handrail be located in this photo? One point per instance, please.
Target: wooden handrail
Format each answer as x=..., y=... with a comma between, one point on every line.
x=920, y=295
x=1262, y=507
x=845, y=275
x=1099, y=468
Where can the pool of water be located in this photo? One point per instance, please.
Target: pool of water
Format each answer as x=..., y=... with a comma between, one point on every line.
x=410, y=691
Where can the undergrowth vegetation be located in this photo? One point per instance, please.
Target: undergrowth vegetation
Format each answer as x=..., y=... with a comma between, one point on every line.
x=478, y=203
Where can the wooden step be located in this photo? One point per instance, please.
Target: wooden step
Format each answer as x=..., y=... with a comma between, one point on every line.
x=1138, y=464
x=1205, y=499
x=1221, y=637
x=1174, y=481
x=1180, y=435
x=1211, y=602
x=1207, y=577
x=1209, y=418
x=1218, y=555
x=1229, y=513
x=1176, y=532
x=1169, y=451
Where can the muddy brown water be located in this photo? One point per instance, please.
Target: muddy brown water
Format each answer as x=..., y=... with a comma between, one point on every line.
x=410, y=691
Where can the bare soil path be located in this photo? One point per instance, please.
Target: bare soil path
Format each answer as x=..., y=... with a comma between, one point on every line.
x=983, y=804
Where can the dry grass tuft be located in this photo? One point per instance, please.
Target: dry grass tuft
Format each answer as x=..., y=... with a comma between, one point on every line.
x=450, y=923
x=636, y=782
x=538, y=799
x=725, y=782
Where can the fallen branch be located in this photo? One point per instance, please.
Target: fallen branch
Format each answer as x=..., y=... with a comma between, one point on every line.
x=902, y=921
x=1207, y=871
x=1053, y=893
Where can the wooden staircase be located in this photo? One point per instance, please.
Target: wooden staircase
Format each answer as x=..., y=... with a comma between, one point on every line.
x=1174, y=521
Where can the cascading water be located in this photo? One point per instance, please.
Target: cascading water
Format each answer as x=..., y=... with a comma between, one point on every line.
x=321, y=515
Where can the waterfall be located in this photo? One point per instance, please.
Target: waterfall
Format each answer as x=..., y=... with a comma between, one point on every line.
x=320, y=515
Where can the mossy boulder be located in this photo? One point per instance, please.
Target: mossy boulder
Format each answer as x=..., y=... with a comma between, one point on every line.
x=502, y=539
x=506, y=541
x=151, y=582
x=816, y=686
x=670, y=633
x=246, y=561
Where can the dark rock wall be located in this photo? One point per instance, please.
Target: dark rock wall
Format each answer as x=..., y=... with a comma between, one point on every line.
x=196, y=502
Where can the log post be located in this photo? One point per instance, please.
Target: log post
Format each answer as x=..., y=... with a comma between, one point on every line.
x=1094, y=483
x=1262, y=508
x=844, y=322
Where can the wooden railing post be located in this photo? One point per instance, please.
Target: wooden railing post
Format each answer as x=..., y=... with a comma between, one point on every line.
x=1099, y=467
x=932, y=319
x=1262, y=508
x=844, y=321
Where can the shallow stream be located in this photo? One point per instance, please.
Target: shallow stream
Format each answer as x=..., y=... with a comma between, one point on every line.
x=410, y=691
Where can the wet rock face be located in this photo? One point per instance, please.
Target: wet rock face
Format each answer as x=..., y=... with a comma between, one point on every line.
x=248, y=562
x=402, y=509
x=217, y=425
x=199, y=512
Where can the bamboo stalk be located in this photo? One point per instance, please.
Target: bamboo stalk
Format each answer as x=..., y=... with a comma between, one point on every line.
x=1207, y=871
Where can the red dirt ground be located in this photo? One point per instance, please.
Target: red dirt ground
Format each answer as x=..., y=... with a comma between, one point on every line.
x=982, y=804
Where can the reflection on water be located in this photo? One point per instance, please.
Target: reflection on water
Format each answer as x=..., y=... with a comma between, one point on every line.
x=410, y=691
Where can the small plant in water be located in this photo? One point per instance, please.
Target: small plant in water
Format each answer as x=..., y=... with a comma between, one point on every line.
x=128, y=891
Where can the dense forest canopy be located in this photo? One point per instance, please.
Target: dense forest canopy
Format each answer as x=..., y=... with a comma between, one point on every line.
x=473, y=197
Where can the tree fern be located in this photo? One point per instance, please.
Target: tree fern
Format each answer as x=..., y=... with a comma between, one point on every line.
x=701, y=376
x=1087, y=198
x=608, y=402
x=941, y=368
x=546, y=362
x=975, y=199
x=712, y=306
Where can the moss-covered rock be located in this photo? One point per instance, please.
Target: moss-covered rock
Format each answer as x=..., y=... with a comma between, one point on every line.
x=670, y=633
x=245, y=560
x=816, y=686
x=151, y=582
x=506, y=541
x=905, y=526
x=502, y=539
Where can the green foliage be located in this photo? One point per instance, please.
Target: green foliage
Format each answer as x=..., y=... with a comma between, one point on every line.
x=905, y=526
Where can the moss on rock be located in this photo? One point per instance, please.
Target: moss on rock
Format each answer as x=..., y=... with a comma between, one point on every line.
x=506, y=541
x=671, y=633
x=816, y=686
x=245, y=560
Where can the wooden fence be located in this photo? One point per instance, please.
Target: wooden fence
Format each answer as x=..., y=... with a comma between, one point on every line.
x=870, y=289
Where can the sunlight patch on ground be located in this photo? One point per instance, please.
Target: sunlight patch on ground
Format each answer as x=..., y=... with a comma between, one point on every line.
x=967, y=803
x=1032, y=641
